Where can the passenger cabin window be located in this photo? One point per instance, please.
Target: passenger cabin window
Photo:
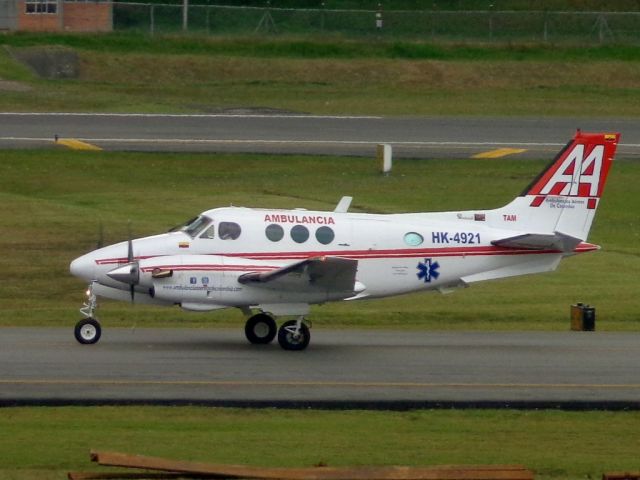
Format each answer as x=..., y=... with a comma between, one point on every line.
x=413, y=239
x=274, y=232
x=229, y=230
x=325, y=235
x=299, y=234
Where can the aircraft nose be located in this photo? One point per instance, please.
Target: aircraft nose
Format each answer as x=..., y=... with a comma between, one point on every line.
x=83, y=267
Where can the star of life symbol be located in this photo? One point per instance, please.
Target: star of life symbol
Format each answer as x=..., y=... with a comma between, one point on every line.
x=428, y=270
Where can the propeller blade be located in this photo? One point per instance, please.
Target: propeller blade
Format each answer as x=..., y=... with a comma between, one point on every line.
x=134, y=273
x=129, y=243
x=134, y=279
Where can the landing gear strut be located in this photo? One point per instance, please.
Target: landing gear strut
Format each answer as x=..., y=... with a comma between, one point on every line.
x=260, y=329
x=88, y=330
x=294, y=335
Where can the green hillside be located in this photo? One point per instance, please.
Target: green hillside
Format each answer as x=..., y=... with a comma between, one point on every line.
x=130, y=72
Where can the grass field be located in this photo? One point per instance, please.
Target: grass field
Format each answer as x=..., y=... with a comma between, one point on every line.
x=45, y=443
x=54, y=201
x=334, y=76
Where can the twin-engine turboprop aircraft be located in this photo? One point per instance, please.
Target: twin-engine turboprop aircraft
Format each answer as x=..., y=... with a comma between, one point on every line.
x=273, y=263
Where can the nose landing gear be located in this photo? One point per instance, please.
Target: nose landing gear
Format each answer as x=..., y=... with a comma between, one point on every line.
x=88, y=330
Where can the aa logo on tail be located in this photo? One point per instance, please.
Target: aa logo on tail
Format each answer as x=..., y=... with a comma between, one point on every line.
x=577, y=175
x=579, y=170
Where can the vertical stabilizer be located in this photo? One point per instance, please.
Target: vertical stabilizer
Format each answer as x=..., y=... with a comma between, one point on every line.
x=563, y=199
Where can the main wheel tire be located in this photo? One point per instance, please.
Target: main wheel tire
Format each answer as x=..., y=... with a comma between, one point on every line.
x=88, y=331
x=260, y=329
x=288, y=339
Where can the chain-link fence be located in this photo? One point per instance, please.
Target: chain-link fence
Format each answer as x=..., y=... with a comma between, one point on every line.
x=488, y=25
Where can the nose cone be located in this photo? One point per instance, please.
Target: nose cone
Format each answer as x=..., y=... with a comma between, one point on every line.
x=83, y=267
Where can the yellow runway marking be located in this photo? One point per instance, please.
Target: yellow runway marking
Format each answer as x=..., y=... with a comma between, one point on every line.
x=500, y=152
x=248, y=383
x=77, y=144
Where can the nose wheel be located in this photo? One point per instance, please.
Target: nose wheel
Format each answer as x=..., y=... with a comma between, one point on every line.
x=88, y=331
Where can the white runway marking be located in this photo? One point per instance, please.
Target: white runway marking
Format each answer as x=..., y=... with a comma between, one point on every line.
x=189, y=115
x=292, y=142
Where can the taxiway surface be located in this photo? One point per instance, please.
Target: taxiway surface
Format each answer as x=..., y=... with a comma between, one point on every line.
x=340, y=368
x=422, y=137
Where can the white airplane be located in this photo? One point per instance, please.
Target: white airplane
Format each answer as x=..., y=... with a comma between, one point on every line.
x=273, y=263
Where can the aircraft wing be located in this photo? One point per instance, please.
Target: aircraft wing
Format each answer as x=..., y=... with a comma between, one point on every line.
x=540, y=241
x=333, y=274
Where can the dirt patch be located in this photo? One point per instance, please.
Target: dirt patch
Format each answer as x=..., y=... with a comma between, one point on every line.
x=243, y=110
x=12, y=86
x=51, y=62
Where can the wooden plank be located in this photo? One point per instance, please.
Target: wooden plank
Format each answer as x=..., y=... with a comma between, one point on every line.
x=621, y=476
x=134, y=476
x=446, y=472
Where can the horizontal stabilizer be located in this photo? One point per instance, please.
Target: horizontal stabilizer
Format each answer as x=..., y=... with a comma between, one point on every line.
x=329, y=273
x=540, y=241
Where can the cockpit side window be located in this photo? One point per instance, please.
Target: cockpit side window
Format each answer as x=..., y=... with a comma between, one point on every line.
x=209, y=233
x=195, y=226
x=229, y=230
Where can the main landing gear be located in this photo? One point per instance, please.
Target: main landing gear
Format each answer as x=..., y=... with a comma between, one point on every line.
x=88, y=330
x=261, y=329
x=294, y=335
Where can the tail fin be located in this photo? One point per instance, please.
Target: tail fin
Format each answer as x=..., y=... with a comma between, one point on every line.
x=558, y=207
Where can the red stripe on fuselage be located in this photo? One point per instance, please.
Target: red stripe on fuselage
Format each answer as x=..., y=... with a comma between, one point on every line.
x=488, y=250
x=222, y=268
x=110, y=261
x=392, y=253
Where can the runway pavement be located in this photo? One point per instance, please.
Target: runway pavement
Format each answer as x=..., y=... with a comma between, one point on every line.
x=422, y=137
x=350, y=368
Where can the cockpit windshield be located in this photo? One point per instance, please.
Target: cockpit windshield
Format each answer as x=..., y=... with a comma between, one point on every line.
x=194, y=226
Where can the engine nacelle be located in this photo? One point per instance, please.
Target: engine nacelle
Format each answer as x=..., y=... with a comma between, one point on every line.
x=203, y=279
x=201, y=282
